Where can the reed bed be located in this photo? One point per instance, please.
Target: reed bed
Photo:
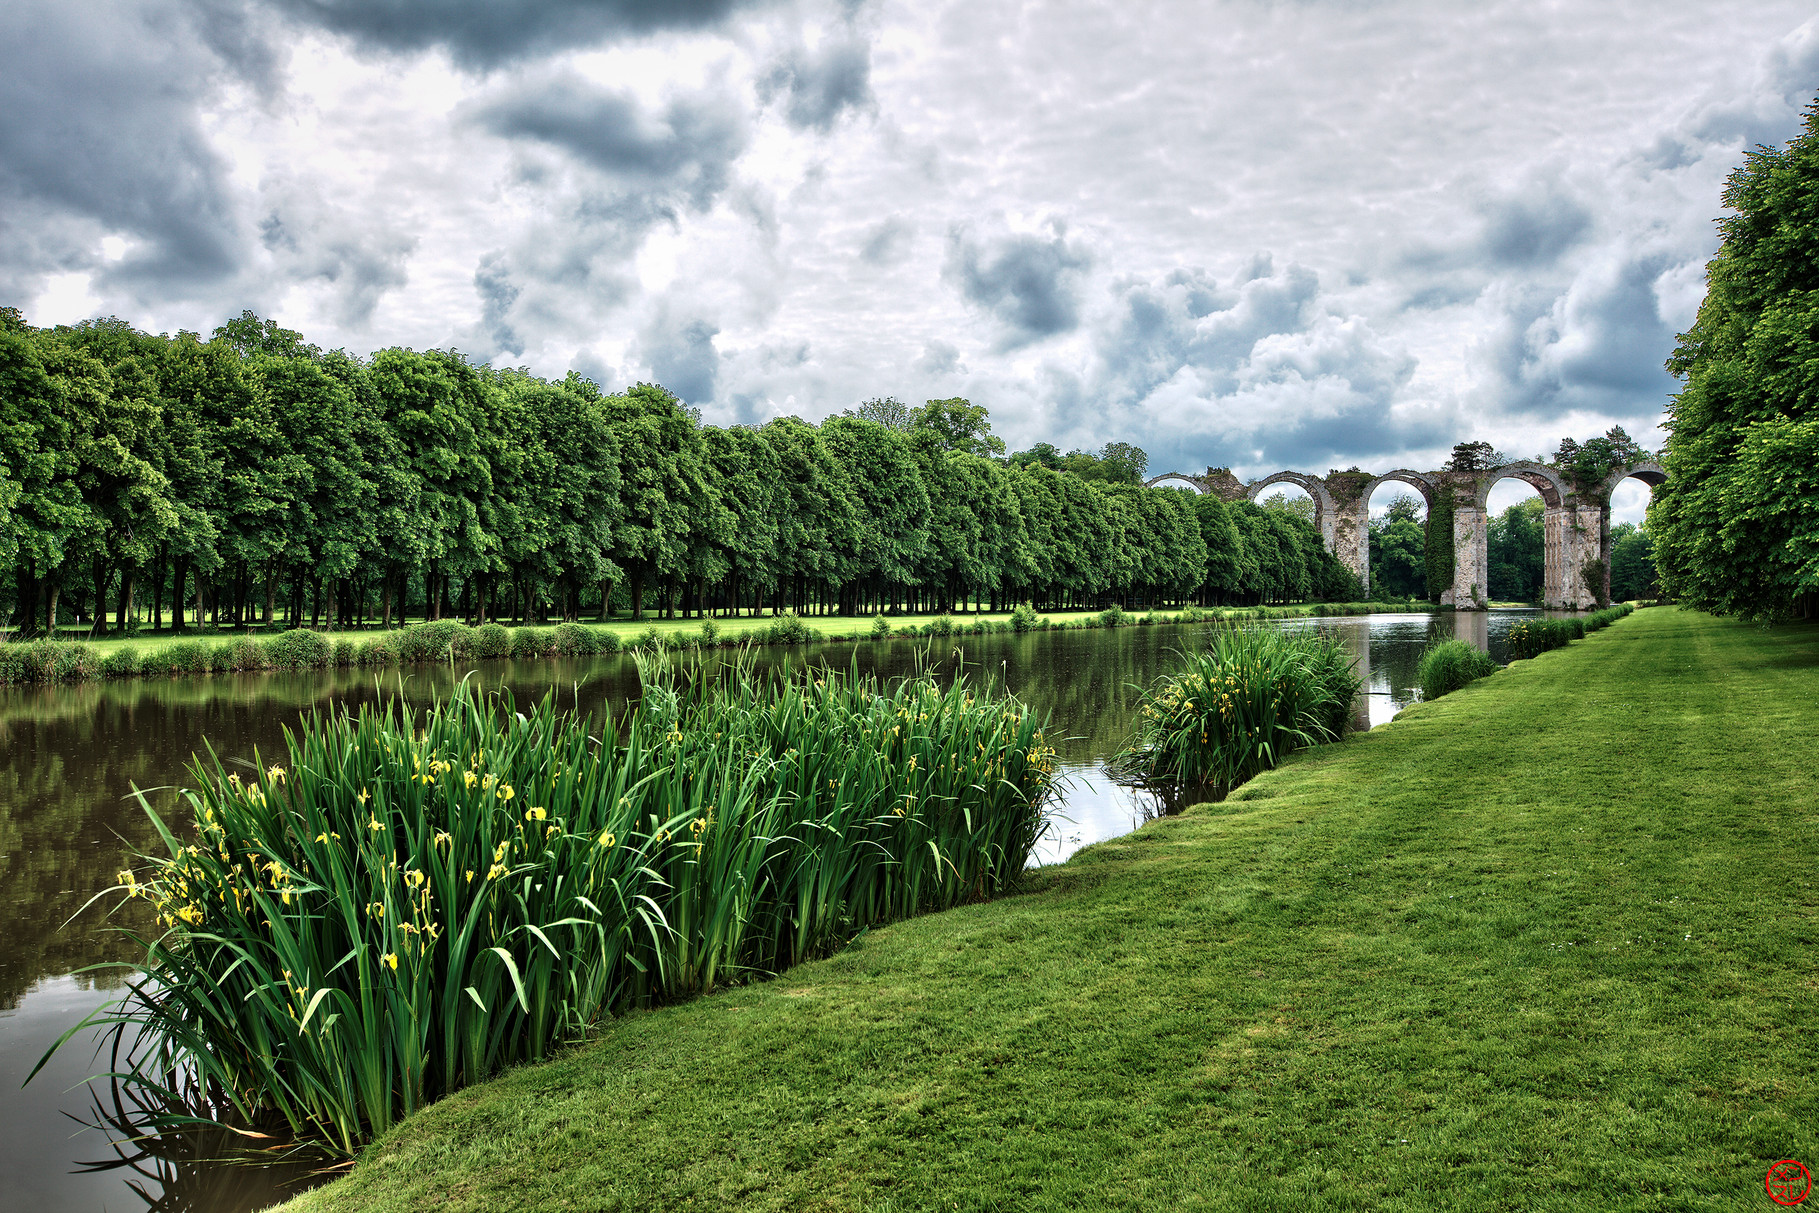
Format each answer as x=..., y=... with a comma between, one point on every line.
x=406, y=903
x=1239, y=705
x=1447, y=665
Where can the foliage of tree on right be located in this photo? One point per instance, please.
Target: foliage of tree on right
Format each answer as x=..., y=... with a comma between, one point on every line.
x=1736, y=526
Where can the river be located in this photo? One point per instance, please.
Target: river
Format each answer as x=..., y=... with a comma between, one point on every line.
x=70, y=756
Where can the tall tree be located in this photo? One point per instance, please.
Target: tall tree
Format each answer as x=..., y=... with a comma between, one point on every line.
x=1736, y=526
x=957, y=424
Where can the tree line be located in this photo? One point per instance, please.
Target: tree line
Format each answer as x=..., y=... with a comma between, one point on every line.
x=253, y=478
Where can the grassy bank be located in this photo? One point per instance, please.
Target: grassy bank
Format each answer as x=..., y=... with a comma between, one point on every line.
x=1543, y=944
x=1445, y=966
x=156, y=654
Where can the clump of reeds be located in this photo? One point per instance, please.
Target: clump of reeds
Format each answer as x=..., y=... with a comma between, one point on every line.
x=407, y=903
x=1447, y=665
x=1237, y=706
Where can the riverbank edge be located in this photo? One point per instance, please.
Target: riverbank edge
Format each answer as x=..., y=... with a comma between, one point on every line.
x=178, y=654
x=944, y=1056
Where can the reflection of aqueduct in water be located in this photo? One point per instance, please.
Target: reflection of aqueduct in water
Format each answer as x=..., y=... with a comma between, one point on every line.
x=1578, y=524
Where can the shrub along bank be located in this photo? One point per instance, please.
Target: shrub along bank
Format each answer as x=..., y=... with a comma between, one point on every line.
x=405, y=905
x=1518, y=950
x=1239, y=705
x=1448, y=665
x=47, y=661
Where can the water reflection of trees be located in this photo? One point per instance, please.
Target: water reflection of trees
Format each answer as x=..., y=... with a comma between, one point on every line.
x=197, y=1168
x=70, y=755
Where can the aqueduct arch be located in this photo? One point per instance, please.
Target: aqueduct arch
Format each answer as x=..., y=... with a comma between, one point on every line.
x=1315, y=488
x=1577, y=524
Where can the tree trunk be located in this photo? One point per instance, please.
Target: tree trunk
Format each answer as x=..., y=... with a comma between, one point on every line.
x=26, y=593
x=50, y=611
x=99, y=569
x=124, y=603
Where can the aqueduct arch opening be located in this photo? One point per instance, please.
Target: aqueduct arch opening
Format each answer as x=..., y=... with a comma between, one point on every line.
x=1649, y=473
x=1313, y=487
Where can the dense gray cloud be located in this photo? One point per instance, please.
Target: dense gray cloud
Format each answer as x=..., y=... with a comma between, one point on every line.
x=100, y=133
x=493, y=283
x=485, y=33
x=1265, y=367
x=885, y=242
x=818, y=86
x=1031, y=284
x=681, y=354
x=356, y=258
x=682, y=152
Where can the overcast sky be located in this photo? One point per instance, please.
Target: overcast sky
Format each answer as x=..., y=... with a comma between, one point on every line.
x=1259, y=234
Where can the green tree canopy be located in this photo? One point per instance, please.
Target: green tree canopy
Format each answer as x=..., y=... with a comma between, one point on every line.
x=1736, y=526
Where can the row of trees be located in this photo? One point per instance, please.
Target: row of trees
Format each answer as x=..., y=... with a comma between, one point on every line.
x=252, y=477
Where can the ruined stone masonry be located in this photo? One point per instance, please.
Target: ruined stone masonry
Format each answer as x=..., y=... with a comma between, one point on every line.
x=1577, y=522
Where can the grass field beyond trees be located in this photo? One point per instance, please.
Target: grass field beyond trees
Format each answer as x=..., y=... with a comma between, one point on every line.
x=1544, y=944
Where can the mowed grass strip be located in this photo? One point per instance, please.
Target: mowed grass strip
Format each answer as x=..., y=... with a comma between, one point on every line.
x=1546, y=943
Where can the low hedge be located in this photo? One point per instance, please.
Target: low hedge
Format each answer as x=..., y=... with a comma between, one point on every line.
x=1449, y=664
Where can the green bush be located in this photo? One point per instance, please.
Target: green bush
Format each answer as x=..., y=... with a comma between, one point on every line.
x=1112, y=617
x=881, y=627
x=1606, y=617
x=787, y=628
x=492, y=640
x=17, y=665
x=1024, y=618
x=607, y=643
x=532, y=642
x=940, y=625
x=1575, y=627
x=1239, y=705
x=298, y=649
x=123, y=662
x=710, y=633
x=1449, y=664
x=379, y=652
x=178, y=657
x=73, y=663
x=436, y=640
x=572, y=640
x=345, y=654
x=1532, y=637
x=237, y=656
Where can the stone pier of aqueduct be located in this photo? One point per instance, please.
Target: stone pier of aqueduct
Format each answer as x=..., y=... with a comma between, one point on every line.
x=1577, y=534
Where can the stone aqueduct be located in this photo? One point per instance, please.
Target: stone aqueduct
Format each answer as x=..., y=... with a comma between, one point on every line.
x=1577, y=534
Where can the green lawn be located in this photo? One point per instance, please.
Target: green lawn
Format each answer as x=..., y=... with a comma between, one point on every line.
x=1544, y=944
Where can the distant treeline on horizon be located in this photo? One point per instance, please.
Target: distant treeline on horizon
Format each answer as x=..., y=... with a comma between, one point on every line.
x=252, y=474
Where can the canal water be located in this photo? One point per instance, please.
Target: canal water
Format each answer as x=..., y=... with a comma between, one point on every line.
x=70, y=756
